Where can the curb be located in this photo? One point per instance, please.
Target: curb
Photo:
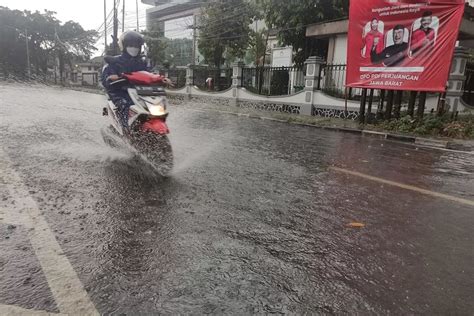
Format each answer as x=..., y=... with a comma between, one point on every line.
x=374, y=134
x=432, y=142
x=401, y=138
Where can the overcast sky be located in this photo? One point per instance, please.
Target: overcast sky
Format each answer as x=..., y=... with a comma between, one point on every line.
x=89, y=13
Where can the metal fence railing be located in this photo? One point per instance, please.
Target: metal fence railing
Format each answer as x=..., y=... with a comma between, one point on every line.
x=333, y=80
x=212, y=79
x=468, y=92
x=273, y=80
x=178, y=76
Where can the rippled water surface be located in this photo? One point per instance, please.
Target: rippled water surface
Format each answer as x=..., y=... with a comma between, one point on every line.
x=252, y=220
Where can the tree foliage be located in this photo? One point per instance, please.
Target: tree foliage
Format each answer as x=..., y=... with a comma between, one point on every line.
x=72, y=43
x=47, y=38
x=291, y=17
x=225, y=30
x=165, y=51
x=257, y=48
x=156, y=44
x=179, y=51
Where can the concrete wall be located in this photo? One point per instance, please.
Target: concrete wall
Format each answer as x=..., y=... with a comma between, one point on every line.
x=320, y=105
x=325, y=29
x=340, y=49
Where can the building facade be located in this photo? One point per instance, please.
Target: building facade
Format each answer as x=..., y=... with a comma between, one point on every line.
x=179, y=21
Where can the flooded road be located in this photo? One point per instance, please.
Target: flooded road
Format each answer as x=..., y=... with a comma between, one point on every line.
x=255, y=217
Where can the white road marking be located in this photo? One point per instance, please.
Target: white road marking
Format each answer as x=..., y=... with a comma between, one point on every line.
x=67, y=289
x=12, y=310
x=405, y=186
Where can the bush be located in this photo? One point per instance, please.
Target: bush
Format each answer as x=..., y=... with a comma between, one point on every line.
x=459, y=129
x=405, y=124
x=432, y=125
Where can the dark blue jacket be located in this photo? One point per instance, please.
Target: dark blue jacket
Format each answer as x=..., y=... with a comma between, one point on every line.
x=121, y=64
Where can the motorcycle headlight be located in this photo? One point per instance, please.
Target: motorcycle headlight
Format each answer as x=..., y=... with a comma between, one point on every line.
x=157, y=109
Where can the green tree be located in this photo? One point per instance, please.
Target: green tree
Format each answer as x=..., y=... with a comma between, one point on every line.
x=156, y=44
x=225, y=30
x=292, y=17
x=44, y=36
x=73, y=43
x=179, y=51
x=42, y=42
x=257, y=47
x=12, y=41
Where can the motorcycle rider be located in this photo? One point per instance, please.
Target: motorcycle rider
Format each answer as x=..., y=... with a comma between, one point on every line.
x=130, y=60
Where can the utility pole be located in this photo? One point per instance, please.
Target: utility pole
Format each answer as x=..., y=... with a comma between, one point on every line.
x=27, y=54
x=105, y=23
x=123, y=17
x=194, y=39
x=115, y=42
x=256, y=44
x=138, y=23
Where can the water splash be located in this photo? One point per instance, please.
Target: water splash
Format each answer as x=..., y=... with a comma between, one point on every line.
x=191, y=157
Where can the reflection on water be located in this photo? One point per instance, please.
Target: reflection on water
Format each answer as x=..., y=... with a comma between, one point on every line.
x=251, y=221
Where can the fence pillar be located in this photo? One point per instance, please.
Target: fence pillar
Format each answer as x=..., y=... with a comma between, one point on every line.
x=236, y=80
x=456, y=79
x=189, y=80
x=313, y=70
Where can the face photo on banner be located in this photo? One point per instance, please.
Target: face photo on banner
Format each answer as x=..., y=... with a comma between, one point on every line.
x=423, y=35
x=399, y=37
x=395, y=50
x=372, y=34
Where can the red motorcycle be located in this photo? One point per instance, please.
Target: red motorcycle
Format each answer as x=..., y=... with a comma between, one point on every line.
x=146, y=120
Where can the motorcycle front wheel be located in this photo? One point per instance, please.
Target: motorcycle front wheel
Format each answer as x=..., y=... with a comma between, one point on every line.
x=156, y=149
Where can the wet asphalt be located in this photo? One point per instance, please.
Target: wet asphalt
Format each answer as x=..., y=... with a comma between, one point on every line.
x=252, y=219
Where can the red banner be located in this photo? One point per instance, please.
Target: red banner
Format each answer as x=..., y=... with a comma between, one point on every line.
x=402, y=45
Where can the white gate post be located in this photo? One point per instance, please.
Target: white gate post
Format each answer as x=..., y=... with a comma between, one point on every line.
x=189, y=80
x=456, y=78
x=237, y=69
x=313, y=66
